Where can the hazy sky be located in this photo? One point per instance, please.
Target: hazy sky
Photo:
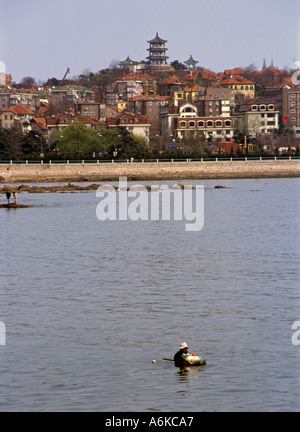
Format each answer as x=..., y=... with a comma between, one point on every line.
x=42, y=38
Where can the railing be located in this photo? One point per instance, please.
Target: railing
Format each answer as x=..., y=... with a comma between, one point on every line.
x=187, y=160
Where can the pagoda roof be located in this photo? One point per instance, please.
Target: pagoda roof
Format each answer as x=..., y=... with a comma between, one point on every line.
x=157, y=39
x=191, y=61
x=128, y=61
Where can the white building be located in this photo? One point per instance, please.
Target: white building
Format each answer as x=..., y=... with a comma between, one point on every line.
x=257, y=116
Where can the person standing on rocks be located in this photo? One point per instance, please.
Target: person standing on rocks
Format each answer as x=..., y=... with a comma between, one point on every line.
x=8, y=194
x=16, y=198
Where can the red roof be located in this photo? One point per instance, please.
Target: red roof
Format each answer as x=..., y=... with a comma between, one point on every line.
x=149, y=97
x=194, y=88
x=209, y=75
x=127, y=118
x=20, y=110
x=173, y=80
x=237, y=80
x=40, y=121
x=272, y=70
x=132, y=76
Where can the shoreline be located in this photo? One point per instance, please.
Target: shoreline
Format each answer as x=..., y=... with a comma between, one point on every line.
x=94, y=172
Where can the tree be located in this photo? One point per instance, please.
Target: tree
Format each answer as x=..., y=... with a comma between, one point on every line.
x=34, y=145
x=132, y=146
x=177, y=65
x=52, y=82
x=77, y=141
x=10, y=144
x=27, y=82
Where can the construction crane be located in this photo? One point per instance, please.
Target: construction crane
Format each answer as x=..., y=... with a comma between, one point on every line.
x=63, y=80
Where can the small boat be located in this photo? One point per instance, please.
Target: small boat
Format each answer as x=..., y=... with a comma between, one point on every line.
x=192, y=359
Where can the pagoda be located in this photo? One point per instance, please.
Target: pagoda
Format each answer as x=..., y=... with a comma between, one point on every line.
x=157, y=54
x=131, y=65
x=191, y=62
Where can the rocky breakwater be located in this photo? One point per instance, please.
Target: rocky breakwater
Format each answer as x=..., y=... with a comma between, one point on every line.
x=41, y=173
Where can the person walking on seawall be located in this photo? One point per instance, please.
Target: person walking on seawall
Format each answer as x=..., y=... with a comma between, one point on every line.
x=181, y=355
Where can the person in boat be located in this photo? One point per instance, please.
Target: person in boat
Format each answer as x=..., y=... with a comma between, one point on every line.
x=183, y=358
x=181, y=355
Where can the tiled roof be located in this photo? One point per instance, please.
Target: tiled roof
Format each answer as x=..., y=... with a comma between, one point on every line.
x=173, y=80
x=237, y=80
x=128, y=118
x=209, y=75
x=271, y=69
x=157, y=39
x=194, y=88
x=20, y=110
x=149, y=97
x=260, y=100
x=133, y=76
x=40, y=121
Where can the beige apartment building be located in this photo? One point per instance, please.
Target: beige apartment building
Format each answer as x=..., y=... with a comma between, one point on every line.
x=291, y=109
x=257, y=116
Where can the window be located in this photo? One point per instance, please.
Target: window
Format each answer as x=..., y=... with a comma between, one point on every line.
x=209, y=123
x=246, y=88
x=227, y=123
x=262, y=107
x=200, y=123
x=218, y=123
x=271, y=107
x=254, y=107
x=251, y=87
x=182, y=124
x=188, y=109
x=191, y=124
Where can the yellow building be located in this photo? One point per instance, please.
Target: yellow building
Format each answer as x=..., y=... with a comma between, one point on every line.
x=122, y=106
x=239, y=85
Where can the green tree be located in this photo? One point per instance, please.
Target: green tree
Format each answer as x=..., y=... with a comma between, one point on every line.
x=34, y=145
x=132, y=146
x=10, y=144
x=177, y=65
x=77, y=141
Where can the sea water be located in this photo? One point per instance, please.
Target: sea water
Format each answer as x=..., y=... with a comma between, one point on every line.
x=88, y=304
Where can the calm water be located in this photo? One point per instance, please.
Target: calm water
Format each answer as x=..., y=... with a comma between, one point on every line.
x=87, y=304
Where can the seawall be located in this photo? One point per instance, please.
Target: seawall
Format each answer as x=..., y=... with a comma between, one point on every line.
x=44, y=173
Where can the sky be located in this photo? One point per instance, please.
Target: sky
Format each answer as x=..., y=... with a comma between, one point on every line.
x=42, y=38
